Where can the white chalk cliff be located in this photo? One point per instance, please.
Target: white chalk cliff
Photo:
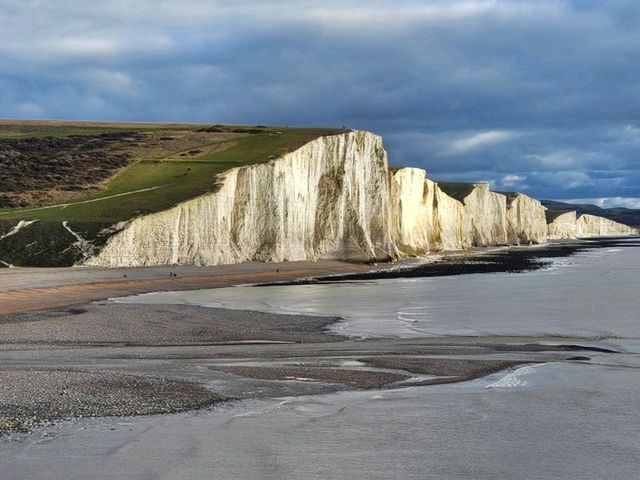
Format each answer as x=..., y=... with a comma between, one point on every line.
x=485, y=217
x=328, y=199
x=561, y=226
x=526, y=220
x=412, y=211
x=448, y=232
x=425, y=218
x=335, y=197
x=593, y=226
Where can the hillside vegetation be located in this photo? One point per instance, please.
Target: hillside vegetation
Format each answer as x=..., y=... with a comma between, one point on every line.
x=94, y=175
x=457, y=190
x=107, y=173
x=627, y=216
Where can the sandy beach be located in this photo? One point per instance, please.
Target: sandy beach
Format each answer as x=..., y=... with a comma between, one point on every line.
x=23, y=289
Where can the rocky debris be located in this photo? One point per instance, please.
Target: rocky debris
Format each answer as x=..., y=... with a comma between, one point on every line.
x=158, y=325
x=84, y=246
x=29, y=397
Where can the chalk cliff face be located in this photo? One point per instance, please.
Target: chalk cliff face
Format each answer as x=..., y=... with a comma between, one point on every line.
x=485, y=217
x=412, y=211
x=328, y=199
x=448, y=231
x=562, y=226
x=425, y=218
x=526, y=220
x=335, y=198
x=593, y=226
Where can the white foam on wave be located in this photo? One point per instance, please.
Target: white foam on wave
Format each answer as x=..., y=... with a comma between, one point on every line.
x=514, y=379
x=554, y=264
x=597, y=253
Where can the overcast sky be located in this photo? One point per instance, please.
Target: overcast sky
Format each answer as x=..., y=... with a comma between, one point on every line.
x=532, y=95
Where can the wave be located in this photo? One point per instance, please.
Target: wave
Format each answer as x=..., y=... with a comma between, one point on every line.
x=515, y=379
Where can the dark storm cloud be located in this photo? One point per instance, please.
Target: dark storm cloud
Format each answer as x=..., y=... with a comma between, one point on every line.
x=540, y=96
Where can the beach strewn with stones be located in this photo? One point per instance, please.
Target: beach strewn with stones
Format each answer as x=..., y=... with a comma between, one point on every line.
x=30, y=396
x=115, y=359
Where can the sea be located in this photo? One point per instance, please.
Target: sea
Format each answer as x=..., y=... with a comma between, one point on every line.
x=574, y=421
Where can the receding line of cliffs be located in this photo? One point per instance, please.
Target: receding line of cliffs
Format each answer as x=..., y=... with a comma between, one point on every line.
x=336, y=198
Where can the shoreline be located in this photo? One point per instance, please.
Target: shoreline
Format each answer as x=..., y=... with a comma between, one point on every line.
x=102, y=359
x=39, y=289
x=30, y=289
x=492, y=260
x=152, y=360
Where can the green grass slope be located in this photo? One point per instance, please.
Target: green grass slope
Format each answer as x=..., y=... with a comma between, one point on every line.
x=151, y=185
x=457, y=190
x=165, y=164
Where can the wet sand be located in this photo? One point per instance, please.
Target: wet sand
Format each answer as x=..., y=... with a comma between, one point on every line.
x=29, y=397
x=119, y=359
x=64, y=357
x=157, y=325
x=24, y=289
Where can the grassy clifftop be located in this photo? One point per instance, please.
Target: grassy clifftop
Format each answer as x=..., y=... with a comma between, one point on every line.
x=94, y=175
x=111, y=172
x=623, y=215
x=457, y=190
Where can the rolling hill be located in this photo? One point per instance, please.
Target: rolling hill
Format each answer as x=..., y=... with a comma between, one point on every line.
x=627, y=216
x=70, y=180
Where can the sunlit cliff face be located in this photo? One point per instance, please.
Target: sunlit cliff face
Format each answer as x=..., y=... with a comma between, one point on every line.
x=333, y=198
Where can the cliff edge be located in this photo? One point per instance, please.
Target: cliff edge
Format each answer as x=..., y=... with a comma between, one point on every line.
x=277, y=195
x=327, y=199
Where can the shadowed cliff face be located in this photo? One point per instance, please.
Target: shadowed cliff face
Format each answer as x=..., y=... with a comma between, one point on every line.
x=563, y=226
